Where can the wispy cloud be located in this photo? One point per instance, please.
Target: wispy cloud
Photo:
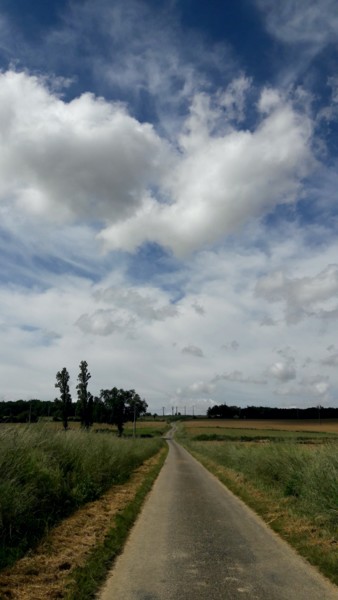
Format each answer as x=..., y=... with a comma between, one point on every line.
x=299, y=22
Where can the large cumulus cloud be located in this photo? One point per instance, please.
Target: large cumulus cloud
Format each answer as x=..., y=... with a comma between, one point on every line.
x=87, y=158
x=223, y=177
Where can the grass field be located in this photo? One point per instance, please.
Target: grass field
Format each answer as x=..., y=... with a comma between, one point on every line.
x=291, y=479
x=46, y=473
x=147, y=428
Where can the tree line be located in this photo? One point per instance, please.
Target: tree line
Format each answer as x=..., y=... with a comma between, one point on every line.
x=223, y=411
x=112, y=406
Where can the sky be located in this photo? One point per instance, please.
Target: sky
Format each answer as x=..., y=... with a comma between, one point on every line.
x=168, y=200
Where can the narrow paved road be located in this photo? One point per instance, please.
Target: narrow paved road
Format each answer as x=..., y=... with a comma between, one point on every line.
x=194, y=540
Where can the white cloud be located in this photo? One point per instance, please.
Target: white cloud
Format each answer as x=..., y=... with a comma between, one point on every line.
x=235, y=97
x=135, y=51
x=302, y=296
x=313, y=22
x=143, y=303
x=129, y=342
x=81, y=175
x=87, y=158
x=313, y=388
x=104, y=322
x=221, y=180
x=129, y=307
x=270, y=99
x=196, y=389
x=307, y=28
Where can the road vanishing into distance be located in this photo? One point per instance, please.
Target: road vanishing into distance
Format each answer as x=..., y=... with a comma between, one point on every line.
x=195, y=540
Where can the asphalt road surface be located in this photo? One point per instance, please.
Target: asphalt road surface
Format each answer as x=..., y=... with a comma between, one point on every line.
x=194, y=540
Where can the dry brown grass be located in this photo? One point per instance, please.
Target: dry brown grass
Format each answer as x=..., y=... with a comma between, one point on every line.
x=326, y=426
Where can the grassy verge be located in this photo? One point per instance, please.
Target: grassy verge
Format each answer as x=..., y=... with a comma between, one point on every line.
x=294, y=488
x=47, y=474
x=86, y=580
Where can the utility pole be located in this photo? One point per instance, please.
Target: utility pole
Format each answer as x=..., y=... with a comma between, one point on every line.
x=163, y=407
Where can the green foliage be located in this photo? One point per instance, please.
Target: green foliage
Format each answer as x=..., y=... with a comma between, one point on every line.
x=62, y=382
x=307, y=474
x=86, y=399
x=222, y=411
x=46, y=474
x=122, y=406
x=23, y=411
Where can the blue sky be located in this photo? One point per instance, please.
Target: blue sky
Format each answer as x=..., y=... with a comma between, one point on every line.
x=168, y=199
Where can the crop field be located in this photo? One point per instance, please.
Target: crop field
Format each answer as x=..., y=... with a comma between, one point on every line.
x=147, y=428
x=215, y=425
x=286, y=471
x=231, y=430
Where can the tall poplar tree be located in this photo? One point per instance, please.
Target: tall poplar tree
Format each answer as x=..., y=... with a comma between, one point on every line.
x=85, y=397
x=62, y=382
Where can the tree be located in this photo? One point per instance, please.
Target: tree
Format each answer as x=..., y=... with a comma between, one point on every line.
x=62, y=382
x=99, y=410
x=85, y=397
x=122, y=406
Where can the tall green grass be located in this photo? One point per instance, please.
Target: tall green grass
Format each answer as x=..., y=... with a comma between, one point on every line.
x=308, y=475
x=293, y=487
x=47, y=474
